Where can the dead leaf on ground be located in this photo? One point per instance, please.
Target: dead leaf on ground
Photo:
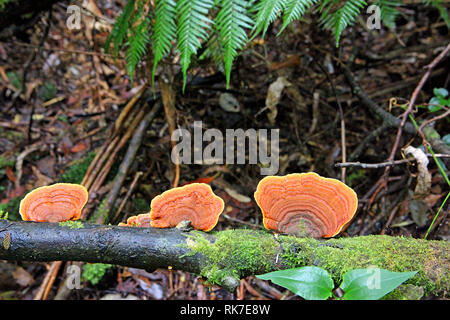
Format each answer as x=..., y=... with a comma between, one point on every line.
x=23, y=277
x=423, y=185
x=274, y=96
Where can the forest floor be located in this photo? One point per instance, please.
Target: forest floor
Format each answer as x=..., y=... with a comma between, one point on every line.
x=52, y=127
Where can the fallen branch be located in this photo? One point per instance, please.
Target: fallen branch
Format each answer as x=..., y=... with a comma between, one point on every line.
x=225, y=256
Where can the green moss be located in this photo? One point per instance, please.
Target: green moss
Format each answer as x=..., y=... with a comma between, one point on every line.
x=12, y=207
x=141, y=205
x=75, y=173
x=405, y=292
x=234, y=253
x=400, y=254
x=6, y=162
x=72, y=224
x=94, y=272
x=101, y=213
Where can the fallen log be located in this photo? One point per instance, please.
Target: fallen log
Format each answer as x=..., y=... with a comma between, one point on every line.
x=223, y=257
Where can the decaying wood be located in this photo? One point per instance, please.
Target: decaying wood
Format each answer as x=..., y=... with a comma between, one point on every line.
x=224, y=256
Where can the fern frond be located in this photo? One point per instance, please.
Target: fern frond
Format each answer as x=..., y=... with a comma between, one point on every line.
x=120, y=28
x=137, y=45
x=266, y=12
x=214, y=51
x=342, y=17
x=442, y=10
x=164, y=31
x=231, y=22
x=295, y=9
x=388, y=11
x=192, y=24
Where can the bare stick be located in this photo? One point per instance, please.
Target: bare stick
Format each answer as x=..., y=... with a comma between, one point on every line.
x=384, y=164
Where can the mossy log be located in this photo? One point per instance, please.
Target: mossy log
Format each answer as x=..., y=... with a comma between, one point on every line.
x=225, y=256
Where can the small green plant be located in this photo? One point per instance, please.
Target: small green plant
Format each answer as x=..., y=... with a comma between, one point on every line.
x=94, y=272
x=439, y=100
x=47, y=91
x=77, y=169
x=314, y=283
x=72, y=224
x=12, y=207
x=3, y=214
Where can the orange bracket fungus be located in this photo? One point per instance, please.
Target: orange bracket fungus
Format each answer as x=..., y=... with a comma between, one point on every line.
x=305, y=204
x=141, y=220
x=56, y=203
x=195, y=202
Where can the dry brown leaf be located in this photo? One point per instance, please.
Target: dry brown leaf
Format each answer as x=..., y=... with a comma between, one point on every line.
x=423, y=177
x=273, y=97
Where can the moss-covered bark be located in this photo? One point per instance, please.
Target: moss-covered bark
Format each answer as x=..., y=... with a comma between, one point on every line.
x=225, y=256
x=239, y=253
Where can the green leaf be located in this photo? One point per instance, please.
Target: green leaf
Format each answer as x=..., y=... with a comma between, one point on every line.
x=266, y=12
x=371, y=283
x=434, y=104
x=295, y=9
x=231, y=22
x=164, y=31
x=440, y=92
x=119, y=31
x=446, y=139
x=192, y=28
x=341, y=18
x=310, y=283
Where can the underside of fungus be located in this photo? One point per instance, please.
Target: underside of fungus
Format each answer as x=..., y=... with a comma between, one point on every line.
x=56, y=203
x=305, y=204
x=195, y=202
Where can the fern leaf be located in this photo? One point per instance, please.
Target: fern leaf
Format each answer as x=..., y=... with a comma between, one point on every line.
x=442, y=10
x=120, y=29
x=164, y=31
x=388, y=11
x=231, y=22
x=295, y=9
x=137, y=45
x=214, y=51
x=342, y=17
x=266, y=12
x=192, y=27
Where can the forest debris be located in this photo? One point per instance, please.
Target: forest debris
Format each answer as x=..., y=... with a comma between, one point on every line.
x=424, y=177
x=274, y=96
x=418, y=210
x=118, y=296
x=155, y=290
x=229, y=103
x=237, y=196
x=22, y=277
x=21, y=158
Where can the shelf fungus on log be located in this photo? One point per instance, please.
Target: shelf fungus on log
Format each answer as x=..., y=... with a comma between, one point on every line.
x=195, y=202
x=55, y=203
x=305, y=204
x=141, y=220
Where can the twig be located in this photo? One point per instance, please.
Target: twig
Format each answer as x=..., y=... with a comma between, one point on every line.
x=341, y=114
x=129, y=157
x=384, y=164
x=27, y=65
x=127, y=196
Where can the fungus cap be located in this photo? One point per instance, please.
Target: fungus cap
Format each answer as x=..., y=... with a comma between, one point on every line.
x=305, y=204
x=55, y=203
x=141, y=220
x=195, y=202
